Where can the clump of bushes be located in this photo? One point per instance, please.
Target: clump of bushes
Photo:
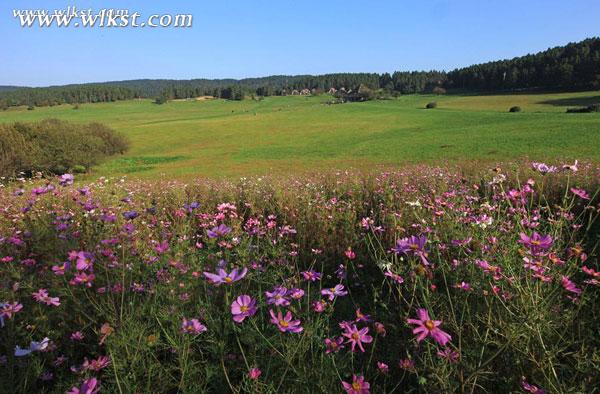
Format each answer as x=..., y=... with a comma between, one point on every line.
x=431, y=105
x=584, y=110
x=55, y=146
x=516, y=108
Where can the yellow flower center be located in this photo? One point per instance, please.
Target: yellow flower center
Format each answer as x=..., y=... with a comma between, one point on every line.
x=243, y=308
x=283, y=323
x=535, y=242
x=355, y=336
x=414, y=246
x=228, y=279
x=430, y=325
x=332, y=290
x=356, y=386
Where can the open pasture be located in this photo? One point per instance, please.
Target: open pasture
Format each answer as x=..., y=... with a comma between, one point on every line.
x=282, y=135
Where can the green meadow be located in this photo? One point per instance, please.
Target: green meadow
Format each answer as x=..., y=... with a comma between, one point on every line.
x=296, y=134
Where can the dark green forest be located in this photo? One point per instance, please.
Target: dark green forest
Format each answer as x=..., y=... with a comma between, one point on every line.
x=575, y=66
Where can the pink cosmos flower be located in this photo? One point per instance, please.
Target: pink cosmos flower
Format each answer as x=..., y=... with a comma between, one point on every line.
x=42, y=297
x=254, y=373
x=8, y=309
x=580, y=193
x=224, y=277
x=311, y=275
x=319, y=306
x=449, y=355
x=427, y=327
x=569, y=285
x=192, y=326
x=536, y=243
x=83, y=279
x=89, y=386
x=531, y=388
x=383, y=367
x=336, y=291
x=285, y=324
x=357, y=337
x=244, y=306
x=358, y=385
x=84, y=260
x=395, y=277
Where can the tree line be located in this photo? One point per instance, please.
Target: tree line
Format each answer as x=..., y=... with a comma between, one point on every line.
x=573, y=66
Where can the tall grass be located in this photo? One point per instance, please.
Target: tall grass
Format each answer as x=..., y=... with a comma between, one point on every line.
x=134, y=263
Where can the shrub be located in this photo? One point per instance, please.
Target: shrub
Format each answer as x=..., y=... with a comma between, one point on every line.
x=78, y=169
x=30, y=108
x=516, y=108
x=431, y=105
x=55, y=146
x=584, y=110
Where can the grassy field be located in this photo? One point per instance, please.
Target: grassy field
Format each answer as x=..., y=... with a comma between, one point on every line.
x=295, y=134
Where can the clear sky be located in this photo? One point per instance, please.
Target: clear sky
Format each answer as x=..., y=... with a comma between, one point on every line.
x=247, y=38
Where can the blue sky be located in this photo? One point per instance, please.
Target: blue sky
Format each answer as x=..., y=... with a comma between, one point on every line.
x=236, y=39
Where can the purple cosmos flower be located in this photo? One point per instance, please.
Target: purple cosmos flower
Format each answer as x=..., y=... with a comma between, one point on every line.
x=358, y=385
x=65, y=179
x=218, y=231
x=336, y=291
x=334, y=345
x=192, y=326
x=224, y=277
x=357, y=337
x=277, y=296
x=130, y=215
x=427, y=327
x=244, y=306
x=536, y=243
x=33, y=347
x=285, y=324
x=543, y=168
x=383, y=367
x=311, y=275
x=413, y=245
x=89, y=386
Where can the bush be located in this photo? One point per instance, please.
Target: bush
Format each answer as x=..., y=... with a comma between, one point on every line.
x=516, y=108
x=55, y=146
x=584, y=110
x=431, y=105
x=78, y=169
x=30, y=108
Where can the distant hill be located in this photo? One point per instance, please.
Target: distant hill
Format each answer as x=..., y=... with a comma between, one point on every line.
x=575, y=66
x=9, y=88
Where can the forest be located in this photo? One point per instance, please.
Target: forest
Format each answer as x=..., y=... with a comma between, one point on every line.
x=575, y=66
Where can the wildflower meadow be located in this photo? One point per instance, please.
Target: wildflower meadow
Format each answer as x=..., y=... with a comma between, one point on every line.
x=425, y=279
